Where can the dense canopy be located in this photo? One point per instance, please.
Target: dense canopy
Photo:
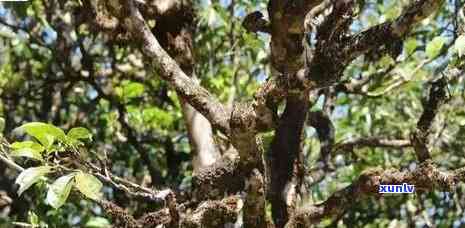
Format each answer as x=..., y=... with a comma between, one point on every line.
x=232, y=113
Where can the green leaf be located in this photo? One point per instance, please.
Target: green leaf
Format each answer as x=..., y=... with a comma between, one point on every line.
x=33, y=218
x=132, y=89
x=88, y=185
x=27, y=152
x=157, y=117
x=393, y=11
x=28, y=149
x=213, y=18
x=459, y=45
x=98, y=222
x=386, y=61
x=27, y=144
x=45, y=133
x=30, y=176
x=433, y=48
x=410, y=46
x=2, y=124
x=59, y=191
x=79, y=133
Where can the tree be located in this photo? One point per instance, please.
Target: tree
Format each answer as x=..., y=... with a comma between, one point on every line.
x=166, y=113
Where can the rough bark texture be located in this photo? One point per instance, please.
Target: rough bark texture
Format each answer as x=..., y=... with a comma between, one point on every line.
x=325, y=130
x=201, y=139
x=427, y=177
x=170, y=71
x=283, y=159
x=174, y=31
x=211, y=214
x=235, y=188
x=297, y=70
x=287, y=33
x=214, y=181
x=254, y=205
x=419, y=138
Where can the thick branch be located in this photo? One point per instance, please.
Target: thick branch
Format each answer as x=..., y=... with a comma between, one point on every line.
x=336, y=51
x=326, y=134
x=267, y=99
x=388, y=32
x=426, y=178
x=227, y=175
x=287, y=31
x=244, y=137
x=174, y=31
x=325, y=130
x=283, y=159
x=212, y=182
x=212, y=214
x=169, y=216
x=120, y=217
x=419, y=138
x=254, y=205
x=170, y=71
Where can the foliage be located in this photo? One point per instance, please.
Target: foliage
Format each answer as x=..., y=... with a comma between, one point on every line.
x=50, y=145
x=57, y=72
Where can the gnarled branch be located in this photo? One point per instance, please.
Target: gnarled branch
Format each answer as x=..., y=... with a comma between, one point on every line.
x=170, y=71
x=426, y=178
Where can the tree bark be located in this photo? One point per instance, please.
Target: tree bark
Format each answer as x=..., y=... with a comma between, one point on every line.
x=174, y=31
x=283, y=159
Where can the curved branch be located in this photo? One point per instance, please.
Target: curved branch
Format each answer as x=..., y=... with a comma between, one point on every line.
x=332, y=56
x=388, y=32
x=426, y=178
x=213, y=181
x=325, y=131
x=284, y=159
x=419, y=138
x=170, y=71
x=212, y=214
x=120, y=217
